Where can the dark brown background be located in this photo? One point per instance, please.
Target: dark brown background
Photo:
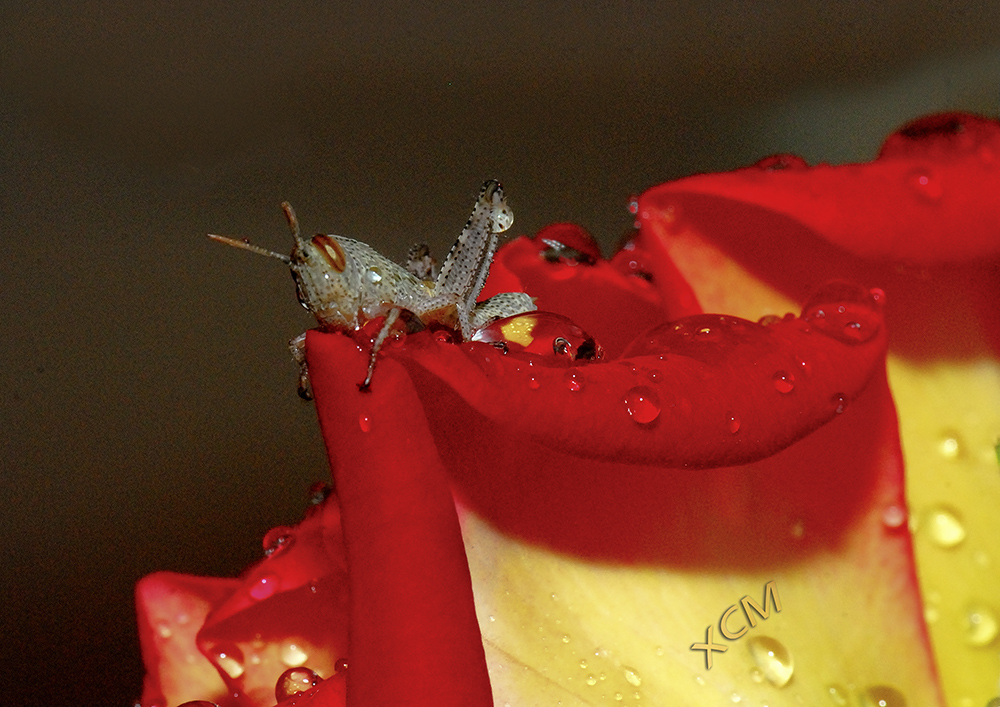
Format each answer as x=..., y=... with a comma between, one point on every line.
x=148, y=418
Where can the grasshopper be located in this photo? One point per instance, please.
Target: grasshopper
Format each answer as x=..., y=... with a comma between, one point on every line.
x=345, y=283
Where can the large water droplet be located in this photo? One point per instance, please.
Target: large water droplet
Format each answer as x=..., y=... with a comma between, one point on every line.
x=981, y=626
x=541, y=333
x=229, y=658
x=295, y=680
x=882, y=696
x=277, y=540
x=783, y=382
x=264, y=586
x=846, y=312
x=772, y=658
x=631, y=676
x=293, y=656
x=642, y=404
x=945, y=527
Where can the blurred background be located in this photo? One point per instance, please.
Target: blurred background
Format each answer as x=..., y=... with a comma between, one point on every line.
x=148, y=415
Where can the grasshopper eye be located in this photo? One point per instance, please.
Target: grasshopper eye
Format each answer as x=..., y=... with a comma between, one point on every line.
x=331, y=251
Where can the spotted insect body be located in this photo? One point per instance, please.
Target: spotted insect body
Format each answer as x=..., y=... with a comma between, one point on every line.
x=346, y=283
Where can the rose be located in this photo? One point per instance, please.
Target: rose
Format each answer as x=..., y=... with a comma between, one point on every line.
x=384, y=456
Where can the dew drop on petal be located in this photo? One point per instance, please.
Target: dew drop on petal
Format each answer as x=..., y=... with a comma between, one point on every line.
x=845, y=312
x=365, y=422
x=783, y=382
x=583, y=664
x=295, y=680
x=340, y=666
x=882, y=696
x=573, y=381
x=839, y=403
x=838, y=694
x=565, y=638
x=756, y=675
x=229, y=658
x=945, y=527
x=633, y=204
x=772, y=659
x=893, y=516
x=735, y=697
x=925, y=183
x=950, y=446
x=619, y=697
x=264, y=586
x=732, y=423
x=981, y=626
x=591, y=680
x=631, y=676
x=642, y=404
x=293, y=656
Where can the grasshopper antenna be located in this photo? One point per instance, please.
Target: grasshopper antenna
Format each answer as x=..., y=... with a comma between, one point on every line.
x=251, y=247
x=293, y=226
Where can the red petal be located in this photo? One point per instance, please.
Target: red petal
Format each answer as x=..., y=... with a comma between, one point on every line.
x=934, y=178
x=414, y=636
x=706, y=391
x=607, y=304
x=289, y=610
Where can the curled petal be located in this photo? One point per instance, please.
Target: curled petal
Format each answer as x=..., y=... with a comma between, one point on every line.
x=708, y=390
x=935, y=178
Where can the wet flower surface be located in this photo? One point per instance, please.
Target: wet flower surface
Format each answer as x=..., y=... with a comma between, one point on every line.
x=637, y=477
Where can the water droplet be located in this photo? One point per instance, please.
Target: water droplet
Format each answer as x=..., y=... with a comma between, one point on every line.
x=945, y=527
x=565, y=638
x=756, y=675
x=293, y=656
x=631, y=676
x=839, y=403
x=783, y=382
x=591, y=680
x=925, y=183
x=931, y=614
x=373, y=275
x=732, y=423
x=228, y=658
x=781, y=162
x=295, y=680
x=642, y=404
x=493, y=618
x=533, y=383
x=602, y=677
x=573, y=381
x=658, y=650
x=846, y=312
x=277, y=540
x=838, y=694
x=981, y=626
x=340, y=666
x=583, y=664
x=265, y=586
x=882, y=696
x=633, y=204
x=735, y=697
x=164, y=631
x=950, y=445
x=699, y=679
x=772, y=658
x=365, y=422
x=619, y=697
x=893, y=516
